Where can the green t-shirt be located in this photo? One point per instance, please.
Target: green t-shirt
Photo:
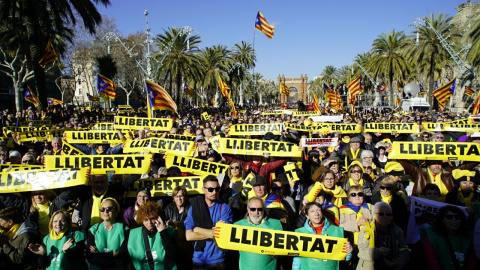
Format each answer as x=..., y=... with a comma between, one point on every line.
x=108, y=241
x=255, y=261
x=54, y=251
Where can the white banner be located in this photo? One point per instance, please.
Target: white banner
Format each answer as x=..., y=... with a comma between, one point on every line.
x=319, y=142
x=422, y=214
x=327, y=118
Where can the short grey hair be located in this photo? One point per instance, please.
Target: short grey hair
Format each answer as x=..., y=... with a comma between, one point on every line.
x=366, y=153
x=379, y=205
x=256, y=199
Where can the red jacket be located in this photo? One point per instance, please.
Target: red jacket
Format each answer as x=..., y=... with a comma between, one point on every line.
x=259, y=168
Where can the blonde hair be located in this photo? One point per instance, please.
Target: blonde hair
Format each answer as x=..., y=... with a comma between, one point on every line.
x=50, y=194
x=65, y=215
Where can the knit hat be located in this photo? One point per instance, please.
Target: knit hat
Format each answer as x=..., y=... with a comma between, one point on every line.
x=358, y=163
x=394, y=168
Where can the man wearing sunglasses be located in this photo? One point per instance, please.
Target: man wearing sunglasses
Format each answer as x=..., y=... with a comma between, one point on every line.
x=205, y=212
x=256, y=217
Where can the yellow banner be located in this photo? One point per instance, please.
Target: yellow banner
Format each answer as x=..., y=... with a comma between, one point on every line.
x=327, y=128
x=125, y=108
x=160, y=145
x=164, y=186
x=254, y=129
x=279, y=243
x=42, y=179
x=103, y=126
x=391, y=127
x=435, y=151
x=36, y=123
x=93, y=136
x=161, y=124
x=110, y=113
x=242, y=111
x=433, y=126
x=173, y=136
x=272, y=112
x=205, y=116
x=102, y=164
x=257, y=147
x=195, y=165
x=307, y=113
x=8, y=130
x=291, y=172
x=462, y=127
x=70, y=150
x=32, y=136
x=456, y=125
x=19, y=167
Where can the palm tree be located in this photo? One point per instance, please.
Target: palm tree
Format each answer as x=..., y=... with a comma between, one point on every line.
x=214, y=60
x=429, y=51
x=330, y=75
x=474, y=53
x=389, y=58
x=244, y=57
x=29, y=24
x=181, y=61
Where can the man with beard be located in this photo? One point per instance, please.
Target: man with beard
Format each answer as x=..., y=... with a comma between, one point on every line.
x=256, y=217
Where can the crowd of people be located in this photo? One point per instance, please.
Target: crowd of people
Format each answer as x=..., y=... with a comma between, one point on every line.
x=353, y=190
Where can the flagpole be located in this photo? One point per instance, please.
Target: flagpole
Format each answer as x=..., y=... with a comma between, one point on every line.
x=253, y=67
x=149, y=110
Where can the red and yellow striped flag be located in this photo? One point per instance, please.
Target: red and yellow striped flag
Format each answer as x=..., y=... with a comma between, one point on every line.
x=284, y=90
x=316, y=107
x=106, y=87
x=355, y=88
x=263, y=26
x=223, y=87
x=443, y=93
x=49, y=56
x=468, y=91
x=159, y=98
x=476, y=105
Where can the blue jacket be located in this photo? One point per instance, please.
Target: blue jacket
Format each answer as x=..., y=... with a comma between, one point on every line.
x=93, y=150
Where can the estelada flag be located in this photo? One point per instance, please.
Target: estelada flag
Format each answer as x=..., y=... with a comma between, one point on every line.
x=49, y=56
x=188, y=90
x=263, y=26
x=30, y=97
x=159, y=98
x=284, y=90
x=54, y=101
x=106, y=87
x=468, y=91
x=443, y=93
x=92, y=98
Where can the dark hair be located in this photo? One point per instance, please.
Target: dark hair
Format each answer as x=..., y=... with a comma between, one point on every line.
x=210, y=178
x=324, y=174
x=178, y=189
x=439, y=227
x=173, y=171
x=430, y=186
x=310, y=204
x=12, y=213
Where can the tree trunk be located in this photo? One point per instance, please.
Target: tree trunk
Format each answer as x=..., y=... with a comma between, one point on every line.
x=431, y=80
x=390, y=82
x=177, y=91
x=241, y=94
x=18, y=97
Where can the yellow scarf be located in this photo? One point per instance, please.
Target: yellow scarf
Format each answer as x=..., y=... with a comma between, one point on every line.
x=352, y=183
x=12, y=232
x=236, y=180
x=468, y=200
x=386, y=199
x=338, y=193
x=43, y=217
x=98, y=151
x=437, y=180
x=369, y=232
x=355, y=154
x=97, y=203
x=55, y=236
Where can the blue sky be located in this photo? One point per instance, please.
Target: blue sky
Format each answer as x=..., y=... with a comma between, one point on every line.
x=309, y=35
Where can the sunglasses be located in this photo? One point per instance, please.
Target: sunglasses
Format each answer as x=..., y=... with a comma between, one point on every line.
x=356, y=171
x=426, y=137
x=235, y=168
x=449, y=217
x=439, y=137
x=387, y=188
x=276, y=188
x=367, y=167
x=353, y=195
x=384, y=214
x=253, y=209
x=211, y=189
x=106, y=209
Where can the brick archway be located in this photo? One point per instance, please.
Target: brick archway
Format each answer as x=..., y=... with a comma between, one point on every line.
x=299, y=83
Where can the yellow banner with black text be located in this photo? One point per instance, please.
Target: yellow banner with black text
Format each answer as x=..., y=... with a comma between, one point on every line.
x=159, y=145
x=257, y=147
x=254, y=129
x=135, y=123
x=435, y=151
x=195, y=165
x=164, y=186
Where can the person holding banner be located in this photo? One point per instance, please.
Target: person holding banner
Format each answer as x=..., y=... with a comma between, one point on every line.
x=333, y=192
x=152, y=246
x=64, y=247
x=256, y=217
x=381, y=245
x=103, y=148
x=449, y=243
x=107, y=240
x=316, y=223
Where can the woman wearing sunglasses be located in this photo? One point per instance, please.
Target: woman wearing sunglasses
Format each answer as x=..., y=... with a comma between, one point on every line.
x=356, y=176
x=355, y=213
x=107, y=240
x=388, y=194
x=382, y=245
x=236, y=174
x=448, y=244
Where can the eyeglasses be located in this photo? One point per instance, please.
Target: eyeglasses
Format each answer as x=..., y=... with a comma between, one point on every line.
x=235, y=168
x=329, y=179
x=211, y=189
x=106, y=209
x=143, y=197
x=253, y=209
x=28, y=161
x=355, y=171
x=367, y=167
x=276, y=188
x=387, y=188
x=384, y=214
x=449, y=217
x=359, y=194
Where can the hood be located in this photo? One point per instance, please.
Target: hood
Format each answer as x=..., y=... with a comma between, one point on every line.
x=27, y=227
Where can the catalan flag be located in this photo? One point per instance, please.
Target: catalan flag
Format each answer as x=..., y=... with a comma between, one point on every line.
x=159, y=98
x=398, y=101
x=262, y=25
x=422, y=90
x=355, y=88
x=316, y=107
x=30, y=97
x=49, y=56
x=188, y=90
x=476, y=106
x=106, y=87
x=223, y=87
x=468, y=91
x=330, y=96
x=54, y=101
x=284, y=90
x=92, y=98
x=339, y=101
x=443, y=93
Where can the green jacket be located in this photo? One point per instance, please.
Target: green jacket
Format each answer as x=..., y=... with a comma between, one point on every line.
x=255, y=261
